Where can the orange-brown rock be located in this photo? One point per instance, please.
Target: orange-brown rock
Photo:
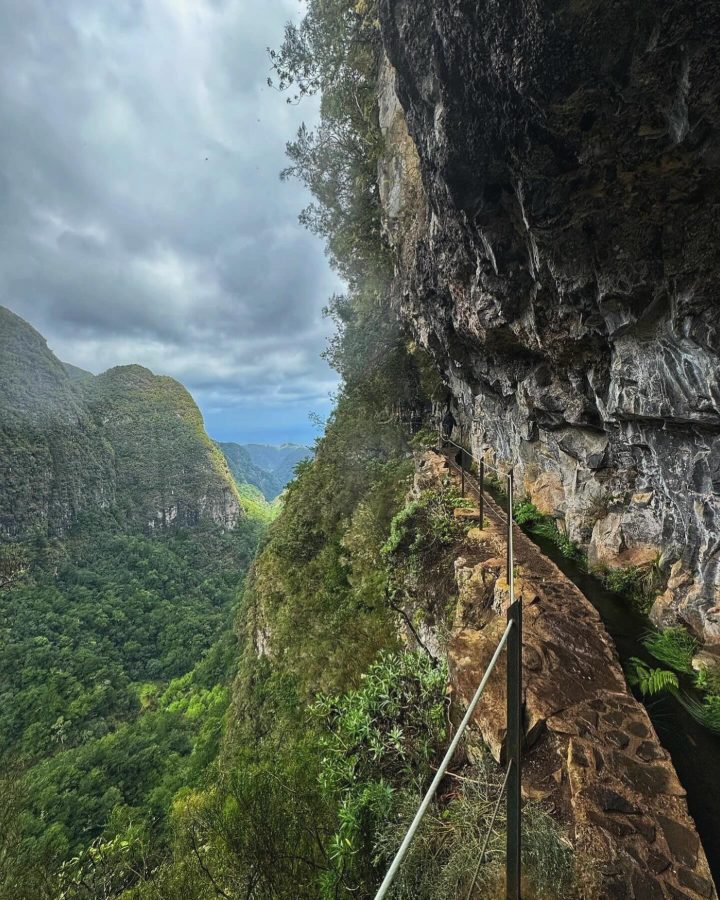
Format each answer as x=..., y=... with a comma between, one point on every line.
x=591, y=749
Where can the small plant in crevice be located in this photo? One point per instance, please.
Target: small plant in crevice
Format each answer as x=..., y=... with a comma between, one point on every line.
x=707, y=679
x=526, y=514
x=567, y=547
x=675, y=647
x=424, y=439
x=496, y=485
x=621, y=580
x=637, y=584
x=648, y=680
x=596, y=508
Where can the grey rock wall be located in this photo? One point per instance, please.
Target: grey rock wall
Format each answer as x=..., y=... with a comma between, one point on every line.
x=562, y=267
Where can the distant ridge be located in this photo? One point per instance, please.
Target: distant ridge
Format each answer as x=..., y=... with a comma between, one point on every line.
x=270, y=468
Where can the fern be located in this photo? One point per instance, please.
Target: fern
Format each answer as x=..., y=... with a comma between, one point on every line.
x=525, y=512
x=651, y=681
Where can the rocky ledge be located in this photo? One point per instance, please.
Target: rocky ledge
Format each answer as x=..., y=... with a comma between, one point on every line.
x=551, y=187
x=592, y=752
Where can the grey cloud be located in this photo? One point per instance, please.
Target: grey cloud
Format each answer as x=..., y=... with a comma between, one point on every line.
x=140, y=206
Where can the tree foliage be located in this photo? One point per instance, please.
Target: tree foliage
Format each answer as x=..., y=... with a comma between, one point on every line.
x=113, y=682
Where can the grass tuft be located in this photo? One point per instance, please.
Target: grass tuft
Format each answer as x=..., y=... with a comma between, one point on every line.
x=705, y=711
x=675, y=647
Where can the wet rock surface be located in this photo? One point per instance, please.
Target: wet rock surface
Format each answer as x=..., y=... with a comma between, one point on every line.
x=591, y=750
x=562, y=260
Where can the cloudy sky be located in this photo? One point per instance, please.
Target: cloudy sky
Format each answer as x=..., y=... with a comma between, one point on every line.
x=141, y=213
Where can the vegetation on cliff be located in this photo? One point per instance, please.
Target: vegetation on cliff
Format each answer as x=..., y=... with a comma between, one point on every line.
x=127, y=441
x=115, y=618
x=264, y=467
x=334, y=726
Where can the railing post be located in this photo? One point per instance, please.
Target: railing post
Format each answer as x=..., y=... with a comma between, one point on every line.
x=462, y=473
x=513, y=741
x=510, y=574
x=482, y=492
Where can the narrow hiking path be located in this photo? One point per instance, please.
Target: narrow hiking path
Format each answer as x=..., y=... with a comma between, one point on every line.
x=695, y=751
x=593, y=754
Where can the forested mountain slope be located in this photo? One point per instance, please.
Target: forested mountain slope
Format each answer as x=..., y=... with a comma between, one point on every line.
x=123, y=550
x=267, y=467
x=54, y=461
x=128, y=440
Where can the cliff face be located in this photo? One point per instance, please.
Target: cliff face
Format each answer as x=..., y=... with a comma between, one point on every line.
x=169, y=472
x=72, y=443
x=551, y=189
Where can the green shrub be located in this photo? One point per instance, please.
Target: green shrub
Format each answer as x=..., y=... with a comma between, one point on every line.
x=379, y=738
x=425, y=525
x=637, y=584
x=447, y=847
x=526, y=513
x=708, y=679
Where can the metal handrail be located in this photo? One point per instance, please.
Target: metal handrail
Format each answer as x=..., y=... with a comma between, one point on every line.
x=475, y=458
x=440, y=774
x=513, y=772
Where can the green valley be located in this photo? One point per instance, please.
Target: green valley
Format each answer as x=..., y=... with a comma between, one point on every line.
x=125, y=545
x=467, y=644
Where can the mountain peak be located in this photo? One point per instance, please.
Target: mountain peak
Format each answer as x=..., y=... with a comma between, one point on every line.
x=128, y=439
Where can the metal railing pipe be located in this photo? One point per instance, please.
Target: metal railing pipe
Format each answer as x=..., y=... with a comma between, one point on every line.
x=510, y=554
x=440, y=774
x=447, y=440
x=481, y=492
x=513, y=740
x=481, y=859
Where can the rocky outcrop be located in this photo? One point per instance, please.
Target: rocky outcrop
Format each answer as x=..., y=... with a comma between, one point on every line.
x=592, y=753
x=561, y=262
x=169, y=472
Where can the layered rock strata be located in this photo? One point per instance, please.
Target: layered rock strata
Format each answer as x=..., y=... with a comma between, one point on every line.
x=551, y=187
